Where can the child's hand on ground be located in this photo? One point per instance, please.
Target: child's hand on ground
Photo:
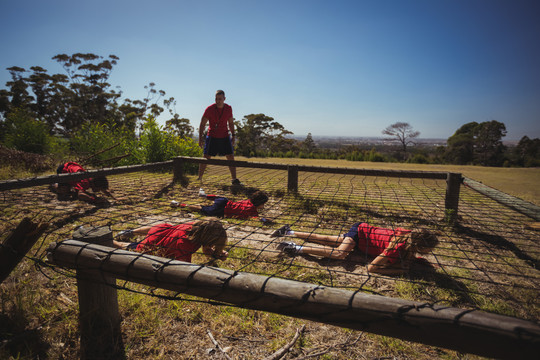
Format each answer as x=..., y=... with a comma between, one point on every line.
x=222, y=256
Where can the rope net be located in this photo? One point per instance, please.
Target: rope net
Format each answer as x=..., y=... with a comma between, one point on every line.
x=487, y=260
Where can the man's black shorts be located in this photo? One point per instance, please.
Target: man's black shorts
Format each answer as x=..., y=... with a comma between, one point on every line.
x=218, y=146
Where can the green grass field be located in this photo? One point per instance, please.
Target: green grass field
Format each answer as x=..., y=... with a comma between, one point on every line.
x=520, y=182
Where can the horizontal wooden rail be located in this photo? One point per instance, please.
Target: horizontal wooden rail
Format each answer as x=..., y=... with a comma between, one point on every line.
x=321, y=169
x=468, y=331
x=62, y=178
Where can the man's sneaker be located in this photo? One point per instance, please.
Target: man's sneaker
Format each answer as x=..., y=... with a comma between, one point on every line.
x=202, y=193
x=236, y=182
x=282, y=231
x=125, y=234
x=288, y=247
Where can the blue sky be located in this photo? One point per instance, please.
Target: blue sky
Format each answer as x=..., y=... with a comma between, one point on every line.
x=341, y=68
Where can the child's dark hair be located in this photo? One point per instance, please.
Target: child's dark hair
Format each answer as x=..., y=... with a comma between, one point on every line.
x=208, y=232
x=258, y=198
x=100, y=183
x=424, y=239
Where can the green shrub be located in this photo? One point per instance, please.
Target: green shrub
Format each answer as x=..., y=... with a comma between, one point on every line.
x=93, y=138
x=158, y=145
x=25, y=133
x=418, y=159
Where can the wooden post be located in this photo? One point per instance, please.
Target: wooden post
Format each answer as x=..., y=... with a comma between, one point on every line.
x=451, y=202
x=178, y=169
x=292, y=182
x=17, y=244
x=101, y=336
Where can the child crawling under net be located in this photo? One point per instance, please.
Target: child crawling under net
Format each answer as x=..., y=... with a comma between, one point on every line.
x=394, y=249
x=178, y=241
x=223, y=207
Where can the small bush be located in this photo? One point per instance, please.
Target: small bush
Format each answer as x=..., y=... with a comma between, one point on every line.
x=93, y=138
x=25, y=133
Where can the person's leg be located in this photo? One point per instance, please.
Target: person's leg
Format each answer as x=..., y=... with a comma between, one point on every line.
x=202, y=167
x=194, y=207
x=142, y=230
x=232, y=169
x=328, y=240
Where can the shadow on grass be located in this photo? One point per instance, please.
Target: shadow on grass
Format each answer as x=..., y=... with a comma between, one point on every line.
x=499, y=242
x=457, y=291
x=18, y=342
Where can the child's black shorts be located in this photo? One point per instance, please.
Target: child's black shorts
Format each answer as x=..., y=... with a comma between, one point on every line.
x=217, y=208
x=353, y=232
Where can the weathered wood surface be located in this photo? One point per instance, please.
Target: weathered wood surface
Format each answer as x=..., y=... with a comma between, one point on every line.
x=99, y=316
x=468, y=331
x=526, y=208
x=322, y=169
x=63, y=178
x=17, y=244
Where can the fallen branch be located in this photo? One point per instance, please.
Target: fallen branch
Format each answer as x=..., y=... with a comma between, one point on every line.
x=216, y=344
x=329, y=348
x=281, y=352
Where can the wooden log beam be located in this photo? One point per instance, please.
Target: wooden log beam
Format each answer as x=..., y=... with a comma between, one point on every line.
x=322, y=169
x=17, y=244
x=468, y=331
x=63, y=178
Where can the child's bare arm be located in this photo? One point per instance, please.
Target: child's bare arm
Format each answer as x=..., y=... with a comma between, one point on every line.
x=109, y=194
x=381, y=265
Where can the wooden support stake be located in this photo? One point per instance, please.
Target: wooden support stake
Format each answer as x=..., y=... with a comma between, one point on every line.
x=451, y=202
x=292, y=183
x=101, y=336
x=178, y=169
x=17, y=244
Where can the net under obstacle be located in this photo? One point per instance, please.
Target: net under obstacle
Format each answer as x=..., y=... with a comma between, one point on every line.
x=476, y=292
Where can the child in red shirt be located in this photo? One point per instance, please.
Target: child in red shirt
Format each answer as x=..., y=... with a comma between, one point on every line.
x=223, y=207
x=179, y=241
x=393, y=249
x=81, y=187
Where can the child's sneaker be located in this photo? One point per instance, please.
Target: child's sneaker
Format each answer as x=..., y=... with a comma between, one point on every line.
x=125, y=234
x=282, y=231
x=202, y=193
x=288, y=247
x=132, y=246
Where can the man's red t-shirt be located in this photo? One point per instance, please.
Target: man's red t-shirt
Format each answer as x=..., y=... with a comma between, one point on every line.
x=218, y=120
x=374, y=240
x=170, y=241
x=73, y=167
x=242, y=209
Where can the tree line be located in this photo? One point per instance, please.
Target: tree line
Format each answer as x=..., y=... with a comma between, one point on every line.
x=80, y=114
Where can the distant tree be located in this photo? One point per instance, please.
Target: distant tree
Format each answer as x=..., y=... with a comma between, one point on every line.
x=489, y=149
x=179, y=126
x=64, y=102
x=402, y=132
x=460, y=146
x=309, y=145
x=259, y=134
x=527, y=152
x=477, y=143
